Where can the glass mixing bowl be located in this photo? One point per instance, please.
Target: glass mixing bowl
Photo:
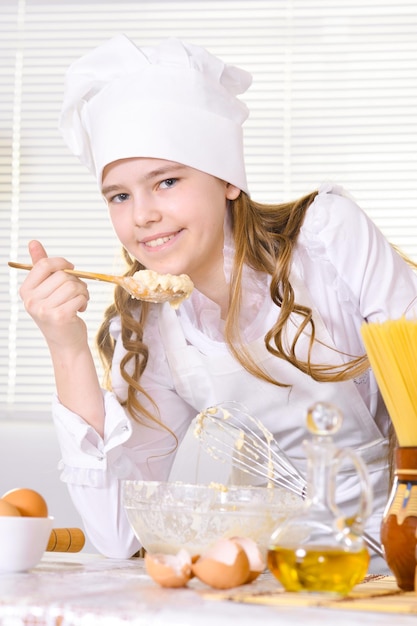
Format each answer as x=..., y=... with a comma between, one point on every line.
x=168, y=516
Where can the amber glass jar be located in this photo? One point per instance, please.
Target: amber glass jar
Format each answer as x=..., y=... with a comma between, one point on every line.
x=399, y=524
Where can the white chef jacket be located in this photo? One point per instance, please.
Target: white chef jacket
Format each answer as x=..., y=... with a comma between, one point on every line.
x=346, y=271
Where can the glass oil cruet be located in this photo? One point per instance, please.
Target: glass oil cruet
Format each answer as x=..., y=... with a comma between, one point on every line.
x=319, y=549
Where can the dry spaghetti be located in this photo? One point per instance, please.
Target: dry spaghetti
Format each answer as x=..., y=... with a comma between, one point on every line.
x=391, y=347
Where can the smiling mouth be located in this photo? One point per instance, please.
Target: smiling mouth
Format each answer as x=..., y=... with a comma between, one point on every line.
x=158, y=242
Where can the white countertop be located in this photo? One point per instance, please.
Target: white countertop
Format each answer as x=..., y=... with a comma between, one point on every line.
x=90, y=590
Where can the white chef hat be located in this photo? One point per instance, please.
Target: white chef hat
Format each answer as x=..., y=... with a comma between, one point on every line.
x=175, y=101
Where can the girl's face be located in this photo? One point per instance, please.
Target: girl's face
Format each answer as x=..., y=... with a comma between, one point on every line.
x=168, y=216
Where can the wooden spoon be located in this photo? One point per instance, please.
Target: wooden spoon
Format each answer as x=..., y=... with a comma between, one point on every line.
x=144, y=285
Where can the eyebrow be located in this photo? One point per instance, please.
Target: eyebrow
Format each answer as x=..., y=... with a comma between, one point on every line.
x=160, y=171
x=110, y=189
x=165, y=169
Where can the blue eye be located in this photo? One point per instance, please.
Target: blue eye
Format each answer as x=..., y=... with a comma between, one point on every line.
x=120, y=197
x=168, y=182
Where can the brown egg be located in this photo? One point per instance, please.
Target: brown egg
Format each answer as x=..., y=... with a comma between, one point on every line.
x=256, y=560
x=28, y=502
x=169, y=570
x=223, y=566
x=7, y=509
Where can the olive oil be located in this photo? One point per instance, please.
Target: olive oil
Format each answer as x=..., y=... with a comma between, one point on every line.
x=321, y=549
x=318, y=569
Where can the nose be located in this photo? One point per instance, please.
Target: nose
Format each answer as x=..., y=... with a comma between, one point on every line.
x=145, y=210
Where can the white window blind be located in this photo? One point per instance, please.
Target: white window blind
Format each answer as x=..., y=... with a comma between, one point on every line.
x=334, y=98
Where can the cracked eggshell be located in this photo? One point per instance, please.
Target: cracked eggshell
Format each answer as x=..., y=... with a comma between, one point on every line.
x=169, y=570
x=223, y=566
x=256, y=561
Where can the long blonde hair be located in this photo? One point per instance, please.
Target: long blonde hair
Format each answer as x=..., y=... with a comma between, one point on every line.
x=264, y=236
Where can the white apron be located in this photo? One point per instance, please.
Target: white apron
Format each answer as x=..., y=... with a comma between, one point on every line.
x=207, y=379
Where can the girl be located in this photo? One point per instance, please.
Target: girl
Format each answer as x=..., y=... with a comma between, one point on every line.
x=281, y=291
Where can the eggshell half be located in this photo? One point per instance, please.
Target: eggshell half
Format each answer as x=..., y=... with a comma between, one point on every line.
x=256, y=561
x=169, y=570
x=223, y=566
x=29, y=503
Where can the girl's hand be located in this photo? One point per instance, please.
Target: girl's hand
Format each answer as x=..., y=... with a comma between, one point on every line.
x=53, y=299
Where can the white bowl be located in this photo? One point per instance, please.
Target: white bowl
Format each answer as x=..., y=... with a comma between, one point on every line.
x=168, y=516
x=23, y=540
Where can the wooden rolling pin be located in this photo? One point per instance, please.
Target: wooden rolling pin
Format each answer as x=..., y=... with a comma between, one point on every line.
x=66, y=540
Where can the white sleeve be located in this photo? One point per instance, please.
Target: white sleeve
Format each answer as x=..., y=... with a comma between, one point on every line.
x=350, y=269
x=363, y=267
x=94, y=467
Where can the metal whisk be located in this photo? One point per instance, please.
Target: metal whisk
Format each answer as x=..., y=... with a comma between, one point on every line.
x=228, y=433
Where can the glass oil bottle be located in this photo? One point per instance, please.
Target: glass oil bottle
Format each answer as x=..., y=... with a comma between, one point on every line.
x=320, y=550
